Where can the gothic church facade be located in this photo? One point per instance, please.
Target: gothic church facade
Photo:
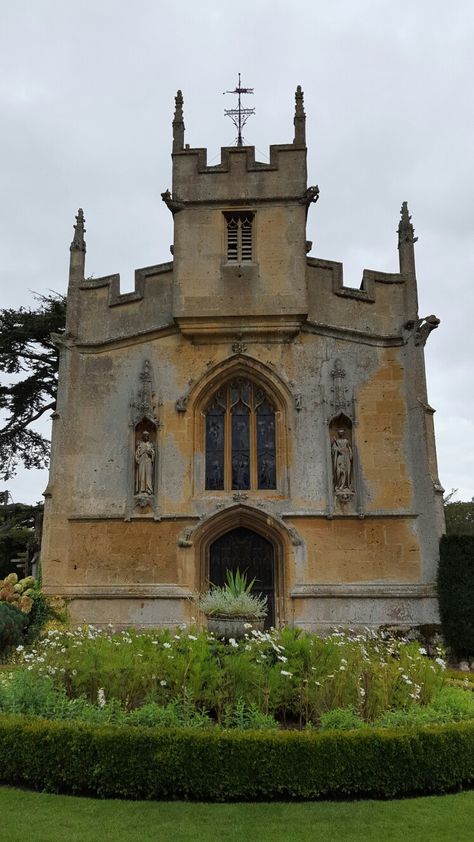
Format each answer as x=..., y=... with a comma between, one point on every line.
x=242, y=407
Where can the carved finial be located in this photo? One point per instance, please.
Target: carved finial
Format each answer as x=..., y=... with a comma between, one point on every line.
x=178, y=124
x=78, y=242
x=406, y=241
x=299, y=119
x=406, y=232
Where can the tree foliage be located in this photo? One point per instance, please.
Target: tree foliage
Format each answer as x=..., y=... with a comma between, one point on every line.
x=459, y=518
x=28, y=353
x=20, y=534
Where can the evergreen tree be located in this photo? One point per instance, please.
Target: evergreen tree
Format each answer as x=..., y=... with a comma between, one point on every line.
x=27, y=351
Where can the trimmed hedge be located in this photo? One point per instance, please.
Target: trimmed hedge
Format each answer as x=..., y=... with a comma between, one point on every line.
x=138, y=763
x=456, y=593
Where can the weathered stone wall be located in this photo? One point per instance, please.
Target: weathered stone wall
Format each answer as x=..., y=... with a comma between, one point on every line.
x=322, y=350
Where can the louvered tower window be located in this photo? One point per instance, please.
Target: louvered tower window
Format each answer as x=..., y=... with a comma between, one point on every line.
x=239, y=237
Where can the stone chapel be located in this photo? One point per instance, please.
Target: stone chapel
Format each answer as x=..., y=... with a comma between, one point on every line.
x=242, y=407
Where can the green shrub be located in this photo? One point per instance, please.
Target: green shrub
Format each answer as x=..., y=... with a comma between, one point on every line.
x=342, y=719
x=247, y=718
x=455, y=703
x=39, y=615
x=218, y=765
x=176, y=714
x=12, y=625
x=456, y=593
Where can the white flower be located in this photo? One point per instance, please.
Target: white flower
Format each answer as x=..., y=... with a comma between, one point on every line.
x=318, y=683
x=101, y=697
x=163, y=682
x=191, y=637
x=167, y=645
x=422, y=650
x=284, y=672
x=441, y=663
x=20, y=648
x=233, y=642
x=362, y=691
x=282, y=658
x=247, y=625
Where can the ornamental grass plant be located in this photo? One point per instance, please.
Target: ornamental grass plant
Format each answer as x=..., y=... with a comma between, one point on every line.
x=235, y=599
x=284, y=676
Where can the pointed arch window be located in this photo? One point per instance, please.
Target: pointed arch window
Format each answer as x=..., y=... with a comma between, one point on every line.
x=240, y=439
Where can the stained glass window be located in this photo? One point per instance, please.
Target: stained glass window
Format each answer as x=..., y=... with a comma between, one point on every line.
x=266, y=466
x=215, y=431
x=240, y=439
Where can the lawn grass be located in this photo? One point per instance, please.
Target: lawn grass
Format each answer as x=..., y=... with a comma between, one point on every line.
x=41, y=817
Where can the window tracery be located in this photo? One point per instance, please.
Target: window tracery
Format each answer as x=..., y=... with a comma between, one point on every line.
x=240, y=438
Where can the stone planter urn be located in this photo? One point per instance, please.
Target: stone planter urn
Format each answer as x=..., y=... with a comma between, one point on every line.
x=235, y=627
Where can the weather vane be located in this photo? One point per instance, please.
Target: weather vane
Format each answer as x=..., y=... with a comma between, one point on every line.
x=239, y=115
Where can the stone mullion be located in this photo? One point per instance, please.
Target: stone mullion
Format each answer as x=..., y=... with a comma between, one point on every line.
x=228, y=442
x=239, y=241
x=253, y=449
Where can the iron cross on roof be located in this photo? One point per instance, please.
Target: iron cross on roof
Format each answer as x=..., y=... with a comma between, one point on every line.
x=239, y=115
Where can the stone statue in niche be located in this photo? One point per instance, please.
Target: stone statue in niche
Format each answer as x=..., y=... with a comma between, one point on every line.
x=144, y=464
x=341, y=452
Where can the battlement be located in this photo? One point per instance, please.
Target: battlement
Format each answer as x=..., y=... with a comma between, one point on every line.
x=112, y=284
x=239, y=177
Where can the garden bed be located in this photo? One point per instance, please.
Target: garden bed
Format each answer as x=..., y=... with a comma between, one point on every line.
x=285, y=677
x=278, y=715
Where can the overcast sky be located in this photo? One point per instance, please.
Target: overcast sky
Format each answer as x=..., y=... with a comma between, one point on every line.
x=86, y=101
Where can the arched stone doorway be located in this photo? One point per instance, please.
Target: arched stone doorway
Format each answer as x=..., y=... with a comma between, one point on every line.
x=242, y=548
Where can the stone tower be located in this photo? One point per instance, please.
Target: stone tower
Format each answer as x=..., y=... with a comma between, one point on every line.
x=243, y=407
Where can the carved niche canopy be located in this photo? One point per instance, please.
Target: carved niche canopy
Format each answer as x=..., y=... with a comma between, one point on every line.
x=341, y=399
x=143, y=406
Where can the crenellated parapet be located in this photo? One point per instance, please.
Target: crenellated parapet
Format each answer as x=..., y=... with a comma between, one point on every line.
x=240, y=177
x=104, y=315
